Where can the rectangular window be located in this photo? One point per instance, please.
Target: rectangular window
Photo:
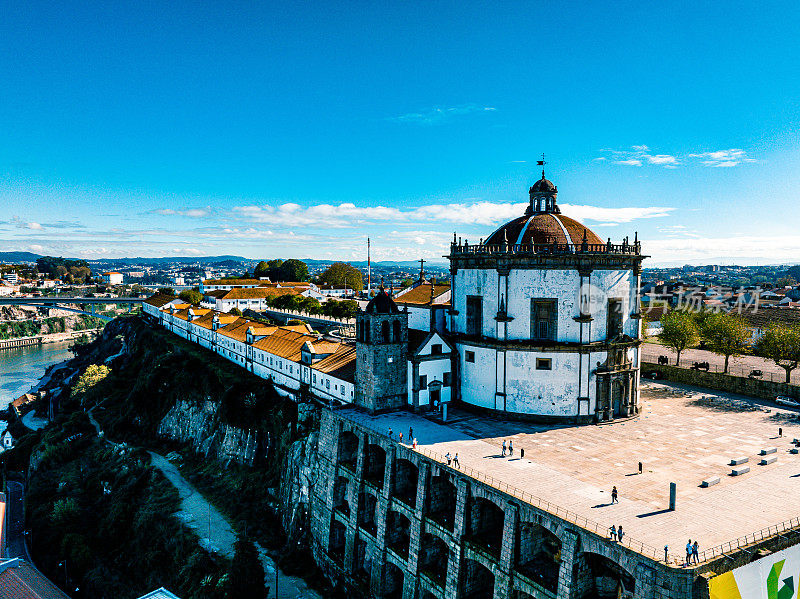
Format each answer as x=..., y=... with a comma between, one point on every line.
x=328, y=383
x=544, y=319
x=469, y=356
x=446, y=381
x=474, y=315
x=614, y=318
x=423, y=382
x=544, y=364
x=436, y=349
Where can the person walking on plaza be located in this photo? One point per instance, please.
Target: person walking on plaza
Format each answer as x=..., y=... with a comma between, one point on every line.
x=401, y=437
x=410, y=433
x=415, y=443
x=447, y=457
x=614, y=495
x=666, y=554
x=511, y=448
x=619, y=533
x=455, y=460
x=696, y=552
x=613, y=533
x=390, y=432
x=504, y=448
x=689, y=551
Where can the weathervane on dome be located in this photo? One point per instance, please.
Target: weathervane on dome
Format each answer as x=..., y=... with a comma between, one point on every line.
x=541, y=163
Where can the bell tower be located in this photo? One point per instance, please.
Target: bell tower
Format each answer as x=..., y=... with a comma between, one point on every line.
x=381, y=355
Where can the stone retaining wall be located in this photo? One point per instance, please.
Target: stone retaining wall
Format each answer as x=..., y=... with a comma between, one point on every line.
x=723, y=382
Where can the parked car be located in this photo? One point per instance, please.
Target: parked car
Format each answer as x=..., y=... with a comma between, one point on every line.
x=654, y=374
x=755, y=374
x=784, y=400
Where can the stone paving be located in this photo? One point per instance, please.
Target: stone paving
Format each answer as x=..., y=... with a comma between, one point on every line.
x=684, y=435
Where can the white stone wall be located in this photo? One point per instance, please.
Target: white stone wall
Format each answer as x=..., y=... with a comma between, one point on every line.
x=562, y=285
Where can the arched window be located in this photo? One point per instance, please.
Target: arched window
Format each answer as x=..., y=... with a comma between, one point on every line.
x=366, y=334
x=385, y=331
x=397, y=330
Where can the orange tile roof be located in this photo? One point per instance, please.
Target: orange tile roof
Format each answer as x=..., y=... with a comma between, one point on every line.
x=285, y=343
x=159, y=299
x=340, y=364
x=236, y=330
x=23, y=581
x=421, y=295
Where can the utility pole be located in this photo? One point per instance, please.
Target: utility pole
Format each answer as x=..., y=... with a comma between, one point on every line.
x=369, y=270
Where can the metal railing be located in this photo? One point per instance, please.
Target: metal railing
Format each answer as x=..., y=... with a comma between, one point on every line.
x=749, y=539
x=626, y=249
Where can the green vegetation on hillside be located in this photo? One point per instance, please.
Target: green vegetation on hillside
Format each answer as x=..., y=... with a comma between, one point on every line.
x=109, y=514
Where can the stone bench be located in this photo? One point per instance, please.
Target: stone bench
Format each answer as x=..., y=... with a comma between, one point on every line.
x=737, y=461
x=740, y=471
x=769, y=450
x=710, y=482
x=768, y=461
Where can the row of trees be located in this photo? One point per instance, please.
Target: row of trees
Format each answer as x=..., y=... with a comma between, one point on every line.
x=280, y=270
x=729, y=335
x=332, y=308
x=71, y=271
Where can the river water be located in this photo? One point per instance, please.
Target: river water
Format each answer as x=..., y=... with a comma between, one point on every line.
x=21, y=368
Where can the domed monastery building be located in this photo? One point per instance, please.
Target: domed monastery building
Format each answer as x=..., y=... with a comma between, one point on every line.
x=540, y=321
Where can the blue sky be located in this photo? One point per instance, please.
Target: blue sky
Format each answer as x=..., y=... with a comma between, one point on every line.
x=298, y=129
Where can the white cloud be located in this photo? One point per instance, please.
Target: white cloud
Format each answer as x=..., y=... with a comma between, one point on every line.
x=189, y=212
x=472, y=213
x=36, y=248
x=745, y=248
x=608, y=216
x=639, y=155
x=723, y=158
x=21, y=224
x=439, y=114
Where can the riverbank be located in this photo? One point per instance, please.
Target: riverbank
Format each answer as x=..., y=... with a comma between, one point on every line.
x=27, y=369
x=18, y=342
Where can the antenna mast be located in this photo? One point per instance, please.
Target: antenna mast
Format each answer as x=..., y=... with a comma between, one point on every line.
x=369, y=270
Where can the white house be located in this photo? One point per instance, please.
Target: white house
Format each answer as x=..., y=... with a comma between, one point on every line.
x=6, y=440
x=112, y=278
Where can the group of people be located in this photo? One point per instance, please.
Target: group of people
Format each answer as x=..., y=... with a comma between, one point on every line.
x=412, y=440
x=692, y=552
x=616, y=533
x=510, y=449
x=454, y=460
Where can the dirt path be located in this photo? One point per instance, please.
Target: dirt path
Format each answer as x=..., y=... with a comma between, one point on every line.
x=216, y=533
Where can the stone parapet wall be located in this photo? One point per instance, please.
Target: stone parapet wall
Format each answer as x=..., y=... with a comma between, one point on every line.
x=740, y=385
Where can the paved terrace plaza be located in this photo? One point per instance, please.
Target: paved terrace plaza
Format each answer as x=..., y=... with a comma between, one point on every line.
x=680, y=437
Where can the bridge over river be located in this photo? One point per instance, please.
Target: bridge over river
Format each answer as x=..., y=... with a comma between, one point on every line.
x=71, y=303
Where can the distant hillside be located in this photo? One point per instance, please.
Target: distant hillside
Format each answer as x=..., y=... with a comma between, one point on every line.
x=17, y=257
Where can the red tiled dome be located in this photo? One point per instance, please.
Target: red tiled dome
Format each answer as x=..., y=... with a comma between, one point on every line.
x=542, y=228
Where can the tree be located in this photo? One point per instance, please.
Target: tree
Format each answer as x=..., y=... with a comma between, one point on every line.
x=245, y=578
x=781, y=344
x=292, y=270
x=678, y=331
x=726, y=334
x=261, y=270
x=235, y=312
x=191, y=296
x=93, y=374
x=341, y=274
x=786, y=281
x=166, y=291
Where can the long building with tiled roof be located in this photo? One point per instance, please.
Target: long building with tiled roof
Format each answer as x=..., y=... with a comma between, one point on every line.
x=289, y=356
